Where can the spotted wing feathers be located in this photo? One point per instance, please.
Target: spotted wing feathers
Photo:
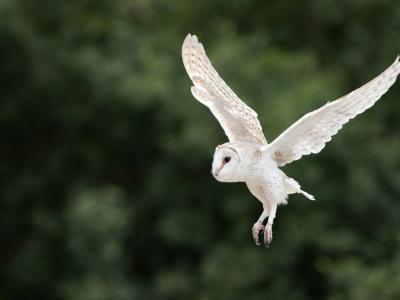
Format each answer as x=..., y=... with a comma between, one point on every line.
x=238, y=120
x=311, y=132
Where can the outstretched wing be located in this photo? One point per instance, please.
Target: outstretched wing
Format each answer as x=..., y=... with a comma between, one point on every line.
x=311, y=132
x=239, y=121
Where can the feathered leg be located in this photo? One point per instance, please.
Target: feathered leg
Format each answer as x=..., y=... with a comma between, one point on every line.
x=268, y=227
x=258, y=226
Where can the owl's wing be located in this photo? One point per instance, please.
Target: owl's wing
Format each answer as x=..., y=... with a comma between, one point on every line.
x=311, y=132
x=239, y=121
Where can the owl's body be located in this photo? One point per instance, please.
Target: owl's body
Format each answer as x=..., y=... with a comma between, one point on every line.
x=248, y=157
x=270, y=185
x=257, y=169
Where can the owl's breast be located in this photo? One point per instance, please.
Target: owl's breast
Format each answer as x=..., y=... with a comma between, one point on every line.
x=272, y=179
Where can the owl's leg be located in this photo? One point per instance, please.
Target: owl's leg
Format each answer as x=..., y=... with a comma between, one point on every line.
x=258, y=226
x=268, y=227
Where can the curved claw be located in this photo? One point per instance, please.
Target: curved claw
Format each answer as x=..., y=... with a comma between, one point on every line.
x=257, y=229
x=268, y=235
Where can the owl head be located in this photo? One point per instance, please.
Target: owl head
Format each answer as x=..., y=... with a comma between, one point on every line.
x=232, y=162
x=225, y=163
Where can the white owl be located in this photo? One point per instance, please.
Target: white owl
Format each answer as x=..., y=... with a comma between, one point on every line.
x=248, y=157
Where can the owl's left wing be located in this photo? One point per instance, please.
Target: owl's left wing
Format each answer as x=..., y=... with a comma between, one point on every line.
x=239, y=121
x=311, y=132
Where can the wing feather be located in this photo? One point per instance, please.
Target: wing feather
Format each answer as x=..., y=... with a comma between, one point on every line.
x=311, y=132
x=238, y=120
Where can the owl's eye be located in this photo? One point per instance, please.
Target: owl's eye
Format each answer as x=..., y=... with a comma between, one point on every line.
x=227, y=159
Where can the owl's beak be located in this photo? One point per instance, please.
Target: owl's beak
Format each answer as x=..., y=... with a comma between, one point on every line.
x=216, y=173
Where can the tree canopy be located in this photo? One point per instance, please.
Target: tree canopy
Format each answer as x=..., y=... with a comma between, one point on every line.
x=106, y=190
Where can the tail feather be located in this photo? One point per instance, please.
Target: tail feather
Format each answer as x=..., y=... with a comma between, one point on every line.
x=292, y=186
x=309, y=196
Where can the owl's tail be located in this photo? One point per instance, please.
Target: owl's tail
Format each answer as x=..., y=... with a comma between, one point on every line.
x=292, y=187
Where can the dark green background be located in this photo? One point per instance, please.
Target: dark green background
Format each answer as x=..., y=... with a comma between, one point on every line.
x=106, y=190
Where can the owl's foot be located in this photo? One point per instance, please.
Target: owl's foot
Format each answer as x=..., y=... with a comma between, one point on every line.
x=268, y=235
x=258, y=228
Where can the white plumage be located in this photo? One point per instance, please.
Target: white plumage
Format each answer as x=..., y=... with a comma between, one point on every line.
x=239, y=121
x=248, y=157
x=315, y=129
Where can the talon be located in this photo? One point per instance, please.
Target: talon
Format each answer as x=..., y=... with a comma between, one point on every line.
x=268, y=235
x=257, y=229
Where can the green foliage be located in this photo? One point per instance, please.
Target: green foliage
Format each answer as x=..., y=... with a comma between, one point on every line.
x=106, y=192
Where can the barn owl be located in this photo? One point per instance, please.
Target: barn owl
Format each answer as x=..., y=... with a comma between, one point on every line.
x=247, y=157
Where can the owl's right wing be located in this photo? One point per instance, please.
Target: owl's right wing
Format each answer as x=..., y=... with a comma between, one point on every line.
x=239, y=121
x=311, y=132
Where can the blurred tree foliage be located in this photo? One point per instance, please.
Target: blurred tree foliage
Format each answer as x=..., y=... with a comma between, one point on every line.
x=105, y=185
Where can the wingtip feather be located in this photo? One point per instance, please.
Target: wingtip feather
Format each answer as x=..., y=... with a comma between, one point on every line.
x=190, y=38
x=187, y=38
